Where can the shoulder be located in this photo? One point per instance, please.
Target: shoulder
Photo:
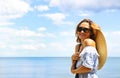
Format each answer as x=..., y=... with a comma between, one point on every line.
x=89, y=42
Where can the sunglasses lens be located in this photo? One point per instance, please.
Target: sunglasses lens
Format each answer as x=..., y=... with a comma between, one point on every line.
x=83, y=29
x=79, y=29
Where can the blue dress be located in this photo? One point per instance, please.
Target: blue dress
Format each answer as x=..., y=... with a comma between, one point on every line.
x=88, y=58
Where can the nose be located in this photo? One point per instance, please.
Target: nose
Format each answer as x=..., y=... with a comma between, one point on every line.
x=82, y=31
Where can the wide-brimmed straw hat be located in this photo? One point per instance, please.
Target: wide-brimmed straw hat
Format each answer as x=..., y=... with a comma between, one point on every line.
x=100, y=45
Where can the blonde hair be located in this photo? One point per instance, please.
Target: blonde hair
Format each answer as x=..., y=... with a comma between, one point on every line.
x=94, y=27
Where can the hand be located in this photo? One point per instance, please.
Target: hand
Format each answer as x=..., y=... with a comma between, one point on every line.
x=75, y=56
x=73, y=71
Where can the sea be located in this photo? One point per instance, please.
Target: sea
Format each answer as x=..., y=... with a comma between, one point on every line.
x=50, y=67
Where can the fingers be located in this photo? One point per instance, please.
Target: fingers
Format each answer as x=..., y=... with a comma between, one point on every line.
x=77, y=53
x=75, y=56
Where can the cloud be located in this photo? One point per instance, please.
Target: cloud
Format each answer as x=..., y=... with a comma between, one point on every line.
x=25, y=42
x=54, y=3
x=11, y=9
x=7, y=31
x=67, y=33
x=6, y=23
x=23, y=39
x=113, y=43
x=85, y=5
x=57, y=18
x=42, y=8
x=42, y=29
x=28, y=47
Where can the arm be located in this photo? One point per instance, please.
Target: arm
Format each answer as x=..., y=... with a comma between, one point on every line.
x=81, y=69
x=75, y=57
x=84, y=69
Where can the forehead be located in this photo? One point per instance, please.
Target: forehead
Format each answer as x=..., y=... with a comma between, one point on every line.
x=84, y=24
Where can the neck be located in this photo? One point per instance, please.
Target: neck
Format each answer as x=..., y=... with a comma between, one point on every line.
x=82, y=42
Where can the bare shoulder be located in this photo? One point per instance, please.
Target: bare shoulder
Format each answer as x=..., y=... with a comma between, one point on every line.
x=89, y=42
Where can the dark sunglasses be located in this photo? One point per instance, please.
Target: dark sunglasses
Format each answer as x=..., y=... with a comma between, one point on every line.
x=86, y=30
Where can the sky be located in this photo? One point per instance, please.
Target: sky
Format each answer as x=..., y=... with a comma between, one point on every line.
x=46, y=28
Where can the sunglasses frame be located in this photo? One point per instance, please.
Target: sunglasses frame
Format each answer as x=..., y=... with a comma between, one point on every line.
x=86, y=30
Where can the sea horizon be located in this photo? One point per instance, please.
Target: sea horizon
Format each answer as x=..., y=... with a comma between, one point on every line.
x=52, y=67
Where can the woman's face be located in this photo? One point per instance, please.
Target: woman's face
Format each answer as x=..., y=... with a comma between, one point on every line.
x=84, y=30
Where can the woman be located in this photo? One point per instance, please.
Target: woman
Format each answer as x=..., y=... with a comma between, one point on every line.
x=86, y=60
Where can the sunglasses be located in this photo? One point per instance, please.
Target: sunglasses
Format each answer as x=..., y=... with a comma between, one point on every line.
x=86, y=30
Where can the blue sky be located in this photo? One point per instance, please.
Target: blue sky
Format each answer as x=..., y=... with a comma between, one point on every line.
x=38, y=28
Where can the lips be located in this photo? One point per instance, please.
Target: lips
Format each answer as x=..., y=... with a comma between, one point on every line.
x=82, y=35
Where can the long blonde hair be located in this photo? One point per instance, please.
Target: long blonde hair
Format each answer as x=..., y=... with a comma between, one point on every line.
x=94, y=27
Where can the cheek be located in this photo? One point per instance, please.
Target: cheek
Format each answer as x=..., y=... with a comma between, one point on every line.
x=88, y=34
x=78, y=33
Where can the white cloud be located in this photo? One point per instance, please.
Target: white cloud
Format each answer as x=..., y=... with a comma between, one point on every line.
x=11, y=9
x=28, y=46
x=84, y=13
x=58, y=46
x=42, y=8
x=65, y=48
x=67, y=33
x=25, y=33
x=23, y=42
x=4, y=23
x=2, y=45
x=54, y=3
x=113, y=43
x=42, y=29
x=13, y=38
x=57, y=18
x=83, y=5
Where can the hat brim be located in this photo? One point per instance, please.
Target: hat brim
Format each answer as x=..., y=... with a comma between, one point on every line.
x=101, y=48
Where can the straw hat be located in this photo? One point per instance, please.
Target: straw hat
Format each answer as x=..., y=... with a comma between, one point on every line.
x=101, y=45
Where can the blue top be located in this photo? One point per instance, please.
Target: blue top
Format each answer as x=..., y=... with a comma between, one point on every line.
x=88, y=58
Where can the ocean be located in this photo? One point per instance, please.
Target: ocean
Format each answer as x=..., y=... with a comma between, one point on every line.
x=50, y=67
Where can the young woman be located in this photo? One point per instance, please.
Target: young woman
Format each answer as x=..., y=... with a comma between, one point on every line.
x=86, y=60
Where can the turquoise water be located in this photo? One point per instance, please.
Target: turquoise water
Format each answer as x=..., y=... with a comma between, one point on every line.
x=50, y=67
